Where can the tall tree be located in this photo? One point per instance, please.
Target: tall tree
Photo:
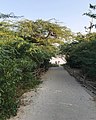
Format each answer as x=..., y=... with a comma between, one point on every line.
x=43, y=32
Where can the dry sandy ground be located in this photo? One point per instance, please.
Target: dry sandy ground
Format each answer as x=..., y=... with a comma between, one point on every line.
x=60, y=97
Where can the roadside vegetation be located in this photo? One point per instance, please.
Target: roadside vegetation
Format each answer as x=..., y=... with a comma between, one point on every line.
x=81, y=52
x=82, y=55
x=26, y=48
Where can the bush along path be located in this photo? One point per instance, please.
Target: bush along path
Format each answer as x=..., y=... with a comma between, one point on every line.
x=19, y=69
x=81, y=57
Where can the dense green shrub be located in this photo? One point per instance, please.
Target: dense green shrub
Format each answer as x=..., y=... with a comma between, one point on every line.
x=82, y=55
x=18, y=62
x=8, y=77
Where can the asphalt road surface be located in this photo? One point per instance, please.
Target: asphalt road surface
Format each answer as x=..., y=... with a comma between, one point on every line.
x=60, y=97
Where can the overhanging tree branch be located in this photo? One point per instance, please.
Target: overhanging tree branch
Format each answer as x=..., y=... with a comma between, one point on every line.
x=92, y=6
x=10, y=15
x=91, y=15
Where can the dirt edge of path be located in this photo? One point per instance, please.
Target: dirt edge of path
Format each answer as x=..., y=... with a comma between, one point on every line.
x=79, y=78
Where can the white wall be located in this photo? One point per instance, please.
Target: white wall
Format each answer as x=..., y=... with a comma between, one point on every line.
x=57, y=59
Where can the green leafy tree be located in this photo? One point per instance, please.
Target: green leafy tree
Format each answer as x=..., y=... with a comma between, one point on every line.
x=25, y=48
x=8, y=28
x=43, y=32
x=90, y=36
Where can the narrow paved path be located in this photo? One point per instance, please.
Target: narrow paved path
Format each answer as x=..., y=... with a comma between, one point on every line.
x=61, y=97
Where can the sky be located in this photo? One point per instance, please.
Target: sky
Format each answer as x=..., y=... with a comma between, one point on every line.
x=67, y=12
